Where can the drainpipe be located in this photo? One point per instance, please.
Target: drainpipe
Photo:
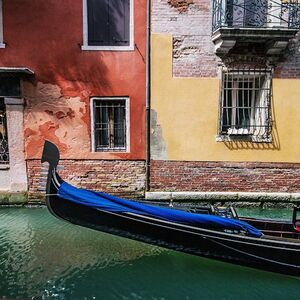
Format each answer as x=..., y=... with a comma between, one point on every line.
x=148, y=95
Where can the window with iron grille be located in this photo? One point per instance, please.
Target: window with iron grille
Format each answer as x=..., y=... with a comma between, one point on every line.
x=4, y=156
x=246, y=104
x=110, y=124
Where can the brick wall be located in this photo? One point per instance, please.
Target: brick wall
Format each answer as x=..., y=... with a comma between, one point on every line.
x=119, y=177
x=290, y=65
x=189, y=21
x=224, y=176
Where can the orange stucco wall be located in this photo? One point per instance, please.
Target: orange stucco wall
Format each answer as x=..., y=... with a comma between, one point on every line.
x=46, y=36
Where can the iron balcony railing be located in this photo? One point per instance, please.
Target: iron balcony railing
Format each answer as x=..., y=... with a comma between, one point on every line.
x=255, y=14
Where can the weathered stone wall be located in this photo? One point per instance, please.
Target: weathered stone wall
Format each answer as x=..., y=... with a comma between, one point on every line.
x=189, y=21
x=224, y=176
x=119, y=177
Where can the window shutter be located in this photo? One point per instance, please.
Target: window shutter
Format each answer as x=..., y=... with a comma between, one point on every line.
x=119, y=22
x=98, y=22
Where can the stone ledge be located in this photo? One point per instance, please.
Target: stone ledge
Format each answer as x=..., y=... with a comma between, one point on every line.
x=225, y=196
x=9, y=198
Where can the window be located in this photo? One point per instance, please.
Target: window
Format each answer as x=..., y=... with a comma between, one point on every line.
x=110, y=119
x=4, y=157
x=245, y=104
x=108, y=25
x=10, y=86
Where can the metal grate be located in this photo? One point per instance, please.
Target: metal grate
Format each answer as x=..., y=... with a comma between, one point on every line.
x=256, y=13
x=110, y=125
x=246, y=104
x=4, y=155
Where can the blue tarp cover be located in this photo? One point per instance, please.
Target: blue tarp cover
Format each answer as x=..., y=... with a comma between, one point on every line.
x=111, y=203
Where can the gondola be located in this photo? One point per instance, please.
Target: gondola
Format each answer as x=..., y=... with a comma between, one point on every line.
x=259, y=243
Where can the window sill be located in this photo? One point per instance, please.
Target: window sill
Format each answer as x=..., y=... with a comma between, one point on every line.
x=2, y=46
x=110, y=151
x=107, y=48
x=4, y=167
x=243, y=138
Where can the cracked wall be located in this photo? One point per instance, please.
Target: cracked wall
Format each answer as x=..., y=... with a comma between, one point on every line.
x=51, y=116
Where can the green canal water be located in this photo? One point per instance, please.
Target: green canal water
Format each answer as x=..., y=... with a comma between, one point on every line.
x=42, y=257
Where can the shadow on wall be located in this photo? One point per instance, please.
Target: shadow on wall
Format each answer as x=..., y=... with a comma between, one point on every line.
x=57, y=101
x=158, y=144
x=81, y=73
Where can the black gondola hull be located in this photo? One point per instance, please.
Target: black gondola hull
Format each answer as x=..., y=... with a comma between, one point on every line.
x=266, y=254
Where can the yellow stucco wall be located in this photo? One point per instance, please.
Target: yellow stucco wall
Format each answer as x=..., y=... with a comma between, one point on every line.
x=187, y=114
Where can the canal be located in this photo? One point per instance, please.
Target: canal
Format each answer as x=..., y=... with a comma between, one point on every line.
x=44, y=258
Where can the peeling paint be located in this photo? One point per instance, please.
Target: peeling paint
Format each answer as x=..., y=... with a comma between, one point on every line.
x=29, y=132
x=181, y=5
x=60, y=115
x=50, y=112
x=50, y=115
x=158, y=145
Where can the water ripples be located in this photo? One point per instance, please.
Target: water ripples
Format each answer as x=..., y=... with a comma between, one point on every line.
x=45, y=258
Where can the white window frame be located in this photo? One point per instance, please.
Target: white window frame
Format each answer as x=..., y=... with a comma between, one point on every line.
x=253, y=132
x=2, y=45
x=87, y=47
x=127, y=116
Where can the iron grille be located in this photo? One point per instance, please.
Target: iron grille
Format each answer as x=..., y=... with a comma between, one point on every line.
x=246, y=104
x=256, y=14
x=110, y=124
x=4, y=155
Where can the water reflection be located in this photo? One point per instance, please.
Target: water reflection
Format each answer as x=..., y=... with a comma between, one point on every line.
x=273, y=213
x=44, y=258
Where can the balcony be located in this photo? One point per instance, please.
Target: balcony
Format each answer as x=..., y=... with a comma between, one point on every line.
x=254, y=27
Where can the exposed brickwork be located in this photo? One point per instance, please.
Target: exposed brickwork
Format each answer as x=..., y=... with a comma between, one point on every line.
x=290, y=65
x=224, y=176
x=181, y=5
x=189, y=21
x=190, y=24
x=119, y=177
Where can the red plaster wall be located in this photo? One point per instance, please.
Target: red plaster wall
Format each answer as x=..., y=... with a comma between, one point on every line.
x=46, y=36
